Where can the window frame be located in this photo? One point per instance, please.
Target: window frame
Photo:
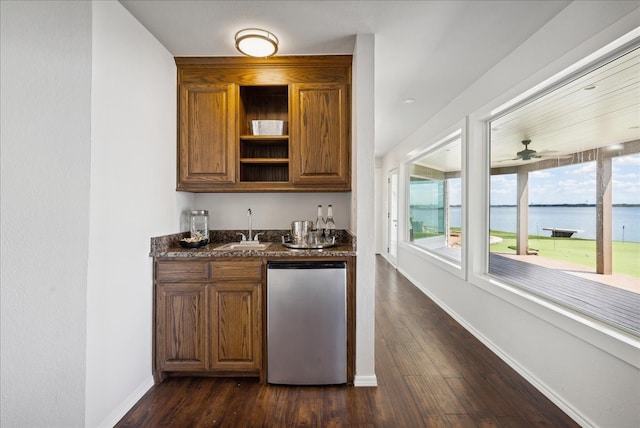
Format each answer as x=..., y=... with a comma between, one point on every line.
x=479, y=126
x=458, y=131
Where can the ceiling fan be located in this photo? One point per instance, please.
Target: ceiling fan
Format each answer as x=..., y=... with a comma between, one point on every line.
x=527, y=153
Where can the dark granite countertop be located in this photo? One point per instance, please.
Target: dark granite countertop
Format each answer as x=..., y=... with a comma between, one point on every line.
x=169, y=246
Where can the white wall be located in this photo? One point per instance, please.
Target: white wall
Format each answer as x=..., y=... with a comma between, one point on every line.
x=590, y=370
x=381, y=208
x=94, y=155
x=121, y=46
x=88, y=172
x=46, y=86
x=133, y=158
x=363, y=206
x=228, y=211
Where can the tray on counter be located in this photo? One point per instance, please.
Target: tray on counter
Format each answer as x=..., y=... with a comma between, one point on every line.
x=304, y=246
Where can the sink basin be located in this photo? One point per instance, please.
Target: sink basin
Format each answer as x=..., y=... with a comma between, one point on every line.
x=244, y=246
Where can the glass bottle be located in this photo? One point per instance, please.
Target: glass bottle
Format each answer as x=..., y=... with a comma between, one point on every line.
x=200, y=224
x=330, y=225
x=319, y=220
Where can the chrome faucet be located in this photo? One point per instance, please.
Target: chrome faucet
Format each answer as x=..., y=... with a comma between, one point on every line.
x=250, y=238
x=244, y=237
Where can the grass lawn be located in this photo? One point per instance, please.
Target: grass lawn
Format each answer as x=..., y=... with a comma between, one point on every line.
x=418, y=235
x=626, y=255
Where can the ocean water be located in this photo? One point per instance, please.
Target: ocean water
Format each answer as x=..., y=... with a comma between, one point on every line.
x=625, y=222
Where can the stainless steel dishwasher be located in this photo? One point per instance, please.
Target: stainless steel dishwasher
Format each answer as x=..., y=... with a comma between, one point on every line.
x=306, y=323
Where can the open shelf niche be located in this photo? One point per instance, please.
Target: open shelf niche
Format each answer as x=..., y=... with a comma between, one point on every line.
x=263, y=158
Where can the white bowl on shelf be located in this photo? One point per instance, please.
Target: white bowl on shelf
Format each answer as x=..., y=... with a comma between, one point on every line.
x=267, y=127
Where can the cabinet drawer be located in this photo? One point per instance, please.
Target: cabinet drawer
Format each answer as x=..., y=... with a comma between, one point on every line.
x=183, y=270
x=237, y=270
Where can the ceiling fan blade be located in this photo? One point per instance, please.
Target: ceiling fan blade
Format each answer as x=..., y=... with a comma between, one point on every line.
x=548, y=152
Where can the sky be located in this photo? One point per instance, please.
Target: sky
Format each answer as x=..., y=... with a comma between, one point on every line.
x=575, y=184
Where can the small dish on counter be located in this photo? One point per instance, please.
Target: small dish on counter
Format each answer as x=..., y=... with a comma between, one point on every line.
x=193, y=242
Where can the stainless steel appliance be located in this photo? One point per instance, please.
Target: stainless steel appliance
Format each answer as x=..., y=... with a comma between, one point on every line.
x=306, y=323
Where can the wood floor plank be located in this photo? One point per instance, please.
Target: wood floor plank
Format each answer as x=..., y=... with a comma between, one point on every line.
x=521, y=403
x=211, y=405
x=460, y=421
x=334, y=403
x=142, y=413
x=489, y=422
x=310, y=412
x=431, y=373
x=240, y=403
x=412, y=360
x=407, y=412
x=425, y=399
x=436, y=395
x=286, y=407
x=473, y=404
x=381, y=402
x=444, y=365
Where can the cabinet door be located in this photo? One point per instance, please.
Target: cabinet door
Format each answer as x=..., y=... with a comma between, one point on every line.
x=320, y=135
x=181, y=342
x=207, y=135
x=236, y=325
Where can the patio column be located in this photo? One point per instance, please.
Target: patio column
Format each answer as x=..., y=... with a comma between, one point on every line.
x=522, y=226
x=445, y=211
x=604, y=251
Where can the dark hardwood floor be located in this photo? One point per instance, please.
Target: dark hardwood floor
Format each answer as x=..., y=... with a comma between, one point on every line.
x=431, y=373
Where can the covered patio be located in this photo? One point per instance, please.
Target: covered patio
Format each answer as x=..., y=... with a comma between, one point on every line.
x=603, y=157
x=592, y=118
x=614, y=298
x=604, y=302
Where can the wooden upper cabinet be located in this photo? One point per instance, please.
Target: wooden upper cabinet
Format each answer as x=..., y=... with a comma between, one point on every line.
x=207, y=135
x=219, y=97
x=321, y=144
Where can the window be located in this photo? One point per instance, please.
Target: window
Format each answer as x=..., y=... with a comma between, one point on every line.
x=435, y=199
x=565, y=193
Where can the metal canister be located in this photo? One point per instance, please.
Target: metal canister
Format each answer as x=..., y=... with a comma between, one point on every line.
x=299, y=230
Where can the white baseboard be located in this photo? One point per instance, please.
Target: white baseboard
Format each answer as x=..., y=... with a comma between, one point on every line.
x=386, y=257
x=365, y=381
x=114, y=417
x=537, y=383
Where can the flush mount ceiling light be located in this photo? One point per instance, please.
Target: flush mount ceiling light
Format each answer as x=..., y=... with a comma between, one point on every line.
x=257, y=43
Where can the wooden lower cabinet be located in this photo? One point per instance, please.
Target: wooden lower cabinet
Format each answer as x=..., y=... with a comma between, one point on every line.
x=236, y=321
x=208, y=317
x=180, y=327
